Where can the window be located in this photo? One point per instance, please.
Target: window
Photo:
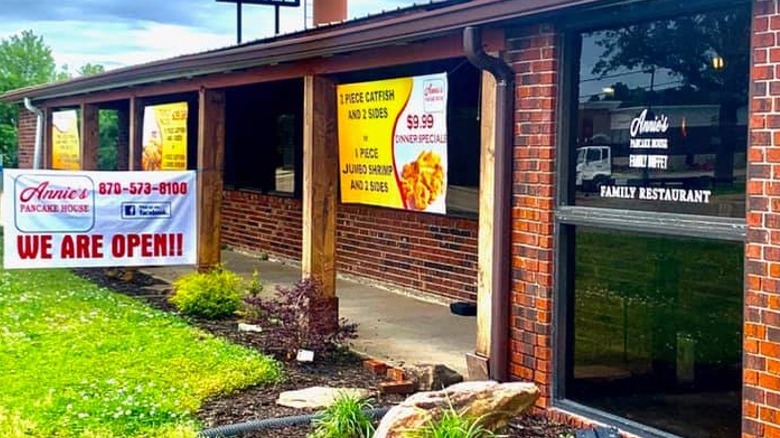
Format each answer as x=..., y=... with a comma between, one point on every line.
x=667, y=99
x=263, y=136
x=657, y=330
x=652, y=220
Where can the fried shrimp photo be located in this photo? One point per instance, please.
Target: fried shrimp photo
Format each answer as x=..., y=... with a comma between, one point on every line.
x=152, y=153
x=422, y=180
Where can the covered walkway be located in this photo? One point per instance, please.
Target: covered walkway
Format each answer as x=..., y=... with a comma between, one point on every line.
x=392, y=326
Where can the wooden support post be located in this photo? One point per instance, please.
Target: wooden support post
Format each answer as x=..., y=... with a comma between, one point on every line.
x=135, y=133
x=48, y=134
x=487, y=203
x=122, y=138
x=320, y=189
x=320, y=171
x=90, y=137
x=211, y=158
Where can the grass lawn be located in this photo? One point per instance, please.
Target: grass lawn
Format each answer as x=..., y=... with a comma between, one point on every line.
x=77, y=360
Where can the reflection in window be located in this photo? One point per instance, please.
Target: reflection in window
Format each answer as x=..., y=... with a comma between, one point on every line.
x=657, y=330
x=263, y=137
x=668, y=100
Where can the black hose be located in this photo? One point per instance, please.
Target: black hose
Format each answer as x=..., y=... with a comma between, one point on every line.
x=231, y=430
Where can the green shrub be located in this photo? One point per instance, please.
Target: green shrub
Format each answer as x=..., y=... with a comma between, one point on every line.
x=453, y=425
x=217, y=293
x=344, y=419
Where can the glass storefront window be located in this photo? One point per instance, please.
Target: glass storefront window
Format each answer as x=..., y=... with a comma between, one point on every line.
x=656, y=330
x=662, y=115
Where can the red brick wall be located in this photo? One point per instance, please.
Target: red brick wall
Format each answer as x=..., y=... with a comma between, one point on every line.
x=257, y=222
x=761, y=372
x=533, y=53
x=26, y=136
x=429, y=253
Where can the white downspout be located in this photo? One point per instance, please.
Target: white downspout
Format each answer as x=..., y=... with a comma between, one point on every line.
x=38, y=132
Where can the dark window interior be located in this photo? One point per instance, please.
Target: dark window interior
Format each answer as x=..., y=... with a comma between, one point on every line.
x=462, y=124
x=657, y=330
x=264, y=137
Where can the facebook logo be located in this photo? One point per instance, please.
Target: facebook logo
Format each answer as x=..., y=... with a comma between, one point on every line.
x=146, y=210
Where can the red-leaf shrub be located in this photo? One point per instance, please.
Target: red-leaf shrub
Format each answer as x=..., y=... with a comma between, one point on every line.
x=296, y=322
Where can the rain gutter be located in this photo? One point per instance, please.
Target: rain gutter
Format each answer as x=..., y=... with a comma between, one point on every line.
x=498, y=360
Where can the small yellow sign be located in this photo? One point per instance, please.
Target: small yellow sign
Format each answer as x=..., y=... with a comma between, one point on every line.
x=165, y=137
x=393, y=143
x=65, y=142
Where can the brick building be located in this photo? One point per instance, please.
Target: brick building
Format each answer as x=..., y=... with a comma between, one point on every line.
x=640, y=282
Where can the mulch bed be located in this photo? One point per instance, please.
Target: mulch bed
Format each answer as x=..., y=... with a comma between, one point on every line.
x=339, y=370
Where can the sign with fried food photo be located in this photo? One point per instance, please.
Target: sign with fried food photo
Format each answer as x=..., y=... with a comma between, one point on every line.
x=65, y=141
x=165, y=137
x=393, y=143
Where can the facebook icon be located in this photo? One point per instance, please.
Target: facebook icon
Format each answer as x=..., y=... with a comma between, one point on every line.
x=129, y=210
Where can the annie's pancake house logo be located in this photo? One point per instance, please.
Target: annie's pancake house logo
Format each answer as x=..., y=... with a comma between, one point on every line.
x=434, y=95
x=54, y=204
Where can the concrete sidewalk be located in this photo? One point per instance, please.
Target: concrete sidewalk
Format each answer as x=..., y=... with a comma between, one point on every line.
x=392, y=326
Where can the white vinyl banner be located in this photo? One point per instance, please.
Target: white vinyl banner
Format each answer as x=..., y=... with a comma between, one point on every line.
x=69, y=219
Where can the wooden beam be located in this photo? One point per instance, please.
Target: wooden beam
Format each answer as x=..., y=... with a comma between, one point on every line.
x=211, y=160
x=320, y=175
x=90, y=137
x=48, y=135
x=135, y=133
x=487, y=203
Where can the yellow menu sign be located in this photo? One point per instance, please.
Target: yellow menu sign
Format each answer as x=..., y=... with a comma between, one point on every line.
x=393, y=143
x=65, y=142
x=165, y=137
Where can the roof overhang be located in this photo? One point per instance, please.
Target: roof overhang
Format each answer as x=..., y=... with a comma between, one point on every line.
x=326, y=42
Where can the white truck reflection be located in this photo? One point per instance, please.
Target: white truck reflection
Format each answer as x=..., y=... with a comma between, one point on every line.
x=595, y=168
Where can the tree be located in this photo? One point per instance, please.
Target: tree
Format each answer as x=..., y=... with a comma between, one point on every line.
x=25, y=60
x=686, y=48
x=89, y=69
x=109, y=125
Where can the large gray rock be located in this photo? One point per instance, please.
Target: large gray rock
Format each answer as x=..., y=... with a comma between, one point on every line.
x=494, y=403
x=318, y=397
x=430, y=377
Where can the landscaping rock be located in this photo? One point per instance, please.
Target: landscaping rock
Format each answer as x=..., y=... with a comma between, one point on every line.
x=430, y=377
x=317, y=397
x=495, y=403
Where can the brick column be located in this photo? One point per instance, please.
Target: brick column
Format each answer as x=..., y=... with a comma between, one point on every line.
x=761, y=373
x=533, y=52
x=26, y=138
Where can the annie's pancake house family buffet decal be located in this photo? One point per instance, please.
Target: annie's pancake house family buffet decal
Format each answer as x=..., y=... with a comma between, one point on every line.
x=650, y=177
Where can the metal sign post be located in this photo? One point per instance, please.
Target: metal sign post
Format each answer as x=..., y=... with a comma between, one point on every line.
x=277, y=4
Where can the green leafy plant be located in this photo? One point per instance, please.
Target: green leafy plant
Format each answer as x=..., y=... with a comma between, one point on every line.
x=255, y=286
x=217, y=293
x=453, y=424
x=346, y=418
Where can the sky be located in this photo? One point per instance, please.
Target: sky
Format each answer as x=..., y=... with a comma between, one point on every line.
x=118, y=33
